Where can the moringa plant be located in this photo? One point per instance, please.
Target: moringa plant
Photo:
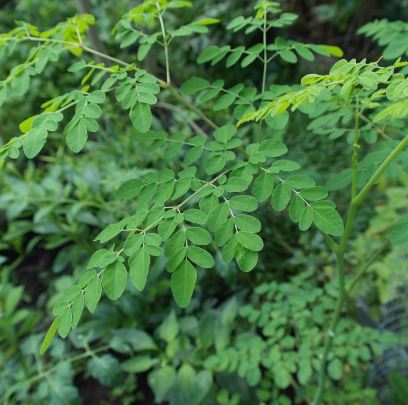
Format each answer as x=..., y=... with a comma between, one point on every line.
x=201, y=188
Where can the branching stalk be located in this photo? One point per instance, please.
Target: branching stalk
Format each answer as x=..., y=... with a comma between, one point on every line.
x=343, y=292
x=120, y=62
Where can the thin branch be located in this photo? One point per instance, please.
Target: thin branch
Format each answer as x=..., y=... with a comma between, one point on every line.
x=363, y=269
x=120, y=62
x=381, y=169
x=191, y=107
x=174, y=108
x=377, y=129
x=165, y=45
x=343, y=293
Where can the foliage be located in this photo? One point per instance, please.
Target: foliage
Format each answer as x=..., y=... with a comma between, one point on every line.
x=159, y=187
x=263, y=347
x=391, y=35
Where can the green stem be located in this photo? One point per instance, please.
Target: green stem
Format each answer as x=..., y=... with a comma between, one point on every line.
x=339, y=306
x=44, y=374
x=340, y=264
x=356, y=147
x=191, y=107
x=265, y=55
x=87, y=49
x=182, y=112
x=362, y=270
x=343, y=293
x=381, y=169
x=165, y=44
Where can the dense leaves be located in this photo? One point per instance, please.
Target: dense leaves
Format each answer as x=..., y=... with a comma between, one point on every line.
x=142, y=183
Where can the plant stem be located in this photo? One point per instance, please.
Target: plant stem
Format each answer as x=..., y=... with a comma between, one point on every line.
x=165, y=44
x=356, y=147
x=265, y=55
x=45, y=373
x=343, y=293
x=191, y=107
x=174, y=108
x=105, y=56
x=373, y=125
x=162, y=83
x=381, y=169
x=362, y=270
x=339, y=304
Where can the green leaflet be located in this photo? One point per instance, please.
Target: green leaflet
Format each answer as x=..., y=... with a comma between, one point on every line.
x=37, y=129
x=114, y=280
x=161, y=381
x=101, y=258
x=200, y=257
x=225, y=133
x=250, y=241
x=141, y=117
x=281, y=196
x=194, y=85
x=247, y=259
x=327, y=219
x=169, y=328
x=182, y=283
x=263, y=186
x=305, y=372
x=77, y=307
x=49, y=336
x=34, y=142
x=77, y=136
x=306, y=218
x=93, y=293
x=243, y=203
x=199, y=236
x=247, y=223
x=139, y=264
x=65, y=322
x=335, y=369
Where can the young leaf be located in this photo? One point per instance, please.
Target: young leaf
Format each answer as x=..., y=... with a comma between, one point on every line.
x=49, y=336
